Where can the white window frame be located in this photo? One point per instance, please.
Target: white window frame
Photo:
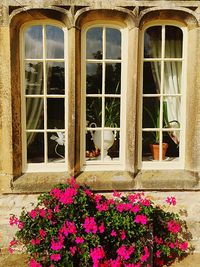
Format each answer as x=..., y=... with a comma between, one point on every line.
x=107, y=165
x=46, y=166
x=159, y=165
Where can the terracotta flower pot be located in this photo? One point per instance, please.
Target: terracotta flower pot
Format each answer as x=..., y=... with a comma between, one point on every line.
x=155, y=150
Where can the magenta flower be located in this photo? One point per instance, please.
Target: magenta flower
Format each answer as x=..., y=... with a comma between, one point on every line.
x=42, y=213
x=171, y=200
x=183, y=246
x=33, y=214
x=55, y=257
x=102, y=206
x=79, y=240
x=88, y=192
x=123, y=235
x=135, y=208
x=102, y=228
x=42, y=233
x=173, y=227
x=96, y=254
x=146, y=255
x=13, y=220
x=145, y=202
x=141, y=219
x=117, y=194
x=34, y=263
x=56, y=245
x=113, y=233
x=67, y=197
x=90, y=225
x=56, y=192
x=125, y=253
x=72, y=250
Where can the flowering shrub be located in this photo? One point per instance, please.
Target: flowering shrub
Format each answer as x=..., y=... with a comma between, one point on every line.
x=71, y=226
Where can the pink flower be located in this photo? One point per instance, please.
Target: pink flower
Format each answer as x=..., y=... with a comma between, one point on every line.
x=183, y=246
x=90, y=225
x=125, y=253
x=171, y=245
x=42, y=233
x=34, y=263
x=55, y=257
x=117, y=194
x=141, y=219
x=158, y=254
x=97, y=198
x=88, y=192
x=132, y=265
x=173, y=227
x=10, y=250
x=56, y=192
x=56, y=245
x=72, y=250
x=33, y=214
x=123, y=235
x=13, y=220
x=102, y=228
x=159, y=241
x=146, y=255
x=113, y=233
x=121, y=207
x=49, y=214
x=43, y=213
x=67, y=197
x=171, y=200
x=102, y=206
x=145, y=202
x=79, y=240
x=20, y=225
x=135, y=208
x=56, y=209
x=96, y=254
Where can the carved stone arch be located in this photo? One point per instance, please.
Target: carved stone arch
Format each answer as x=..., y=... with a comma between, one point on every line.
x=183, y=15
x=121, y=15
x=26, y=14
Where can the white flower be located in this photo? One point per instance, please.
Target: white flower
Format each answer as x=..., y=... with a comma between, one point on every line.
x=60, y=139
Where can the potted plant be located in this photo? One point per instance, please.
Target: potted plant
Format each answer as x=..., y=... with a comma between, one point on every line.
x=154, y=142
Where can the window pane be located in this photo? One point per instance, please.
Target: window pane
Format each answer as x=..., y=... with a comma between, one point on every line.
x=113, y=43
x=151, y=112
x=34, y=78
x=54, y=42
x=173, y=42
x=33, y=42
x=55, y=78
x=94, y=111
x=172, y=77
x=93, y=145
x=108, y=142
x=113, y=151
x=112, y=112
x=151, y=77
x=113, y=78
x=149, y=138
x=94, y=78
x=171, y=112
x=172, y=138
x=34, y=113
x=152, y=42
x=56, y=147
x=35, y=147
x=55, y=113
x=94, y=47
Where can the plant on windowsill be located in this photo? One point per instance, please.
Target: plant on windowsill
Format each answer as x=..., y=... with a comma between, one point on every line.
x=72, y=226
x=154, y=141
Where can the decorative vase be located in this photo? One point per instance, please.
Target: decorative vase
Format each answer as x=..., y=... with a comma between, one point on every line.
x=155, y=150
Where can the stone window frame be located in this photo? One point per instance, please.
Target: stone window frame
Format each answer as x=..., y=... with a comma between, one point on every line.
x=156, y=165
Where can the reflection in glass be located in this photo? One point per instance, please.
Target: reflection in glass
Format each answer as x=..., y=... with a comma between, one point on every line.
x=172, y=77
x=112, y=112
x=93, y=145
x=54, y=42
x=151, y=112
x=34, y=113
x=172, y=138
x=113, y=43
x=152, y=42
x=35, y=148
x=173, y=42
x=33, y=42
x=113, y=78
x=55, y=78
x=55, y=113
x=151, y=77
x=56, y=147
x=94, y=110
x=34, y=78
x=94, y=47
x=94, y=78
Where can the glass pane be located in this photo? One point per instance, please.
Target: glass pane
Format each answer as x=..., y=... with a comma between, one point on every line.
x=172, y=139
x=152, y=42
x=112, y=112
x=173, y=42
x=34, y=78
x=54, y=42
x=108, y=141
x=93, y=145
x=151, y=112
x=33, y=42
x=94, y=111
x=94, y=78
x=55, y=113
x=113, y=79
x=34, y=113
x=35, y=147
x=113, y=43
x=171, y=112
x=172, y=77
x=149, y=138
x=56, y=147
x=94, y=47
x=55, y=78
x=151, y=77
x=113, y=151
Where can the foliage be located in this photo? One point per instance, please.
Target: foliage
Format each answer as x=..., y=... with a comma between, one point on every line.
x=72, y=226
